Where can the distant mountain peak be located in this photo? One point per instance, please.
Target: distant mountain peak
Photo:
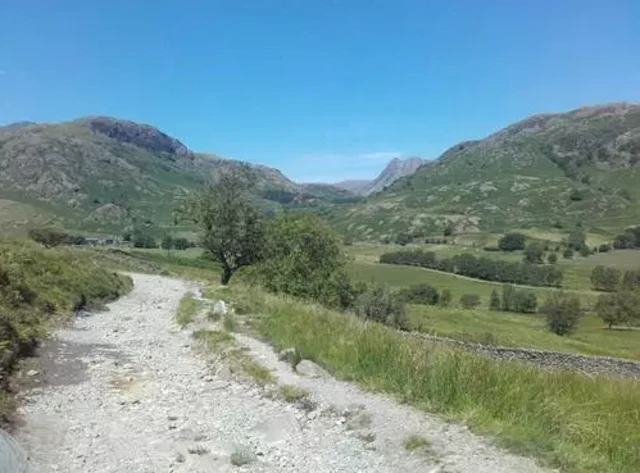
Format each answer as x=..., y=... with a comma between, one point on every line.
x=396, y=169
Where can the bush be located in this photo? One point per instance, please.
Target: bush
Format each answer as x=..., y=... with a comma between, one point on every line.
x=421, y=294
x=604, y=248
x=621, y=308
x=181, y=243
x=525, y=301
x=494, y=302
x=631, y=280
x=512, y=242
x=48, y=237
x=508, y=298
x=628, y=240
x=567, y=253
x=303, y=257
x=142, y=240
x=563, y=313
x=605, y=278
x=167, y=243
x=576, y=195
x=534, y=253
x=446, y=298
x=577, y=240
x=378, y=304
x=491, y=248
x=552, y=258
x=585, y=251
x=402, y=239
x=448, y=230
x=470, y=301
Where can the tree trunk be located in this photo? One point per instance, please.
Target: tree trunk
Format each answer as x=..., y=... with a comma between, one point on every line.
x=227, y=272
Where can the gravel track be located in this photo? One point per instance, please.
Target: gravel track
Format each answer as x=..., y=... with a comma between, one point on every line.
x=125, y=391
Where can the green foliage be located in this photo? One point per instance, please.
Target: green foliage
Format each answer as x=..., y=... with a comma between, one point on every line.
x=604, y=247
x=494, y=301
x=421, y=294
x=508, y=298
x=448, y=230
x=378, y=304
x=576, y=195
x=303, y=257
x=232, y=228
x=534, y=253
x=563, y=313
x=143, y=239
x=446, y=298
x=631, y=280
x=525, y=301
x=528, y=409
x=552, y=258
x=605, y=278
x=187, y=309
x=402, y=239
x=167, y=243
x=38, y=285
x=469, y=301
x=630, y=239
x=181, y=243
x=512, y=242
x=620, y=308
x=485, y=268
x=577, y=240
x=567, y=253
x=49, y=237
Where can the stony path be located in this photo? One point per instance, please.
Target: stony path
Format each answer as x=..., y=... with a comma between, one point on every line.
x=124, y=391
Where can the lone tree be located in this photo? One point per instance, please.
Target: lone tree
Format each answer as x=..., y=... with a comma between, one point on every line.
x=232, y=226
x=620, y=308
x=494, y=302
x=563, y=313
x=605, y=278
x=512, y=242
x=534, y=253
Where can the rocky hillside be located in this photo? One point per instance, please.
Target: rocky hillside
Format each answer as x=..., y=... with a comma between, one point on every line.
x=100, y=172
x=547, y=170
x=396, y=169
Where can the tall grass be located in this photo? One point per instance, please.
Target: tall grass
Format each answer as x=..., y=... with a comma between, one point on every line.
x=578, y=423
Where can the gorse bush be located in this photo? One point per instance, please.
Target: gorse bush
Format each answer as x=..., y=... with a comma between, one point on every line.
x=488, y=269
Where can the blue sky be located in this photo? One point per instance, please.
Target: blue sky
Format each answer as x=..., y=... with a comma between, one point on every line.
x=323, y=90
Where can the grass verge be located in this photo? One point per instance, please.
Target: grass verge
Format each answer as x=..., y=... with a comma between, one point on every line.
x=566, y=419
x=38, y=288
x=187, y=309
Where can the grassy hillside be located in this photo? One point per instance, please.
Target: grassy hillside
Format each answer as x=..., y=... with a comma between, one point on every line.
x=101, y=174
x=546, y=171
x=39, y=287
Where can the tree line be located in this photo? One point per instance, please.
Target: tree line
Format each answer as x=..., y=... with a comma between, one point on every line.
x=484, y=268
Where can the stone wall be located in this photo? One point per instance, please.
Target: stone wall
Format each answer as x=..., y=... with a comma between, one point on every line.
x=590, y=365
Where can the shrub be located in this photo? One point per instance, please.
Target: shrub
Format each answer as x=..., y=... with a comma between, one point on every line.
x=446, y=298
x=628, y=240
x=563, y=313
x=380, y=305
x=48, y=237
x=167, y=242
x=576, y=195
x=585, y=251
x=508, y=297
x=402, y=239
x=552, y=258
x=631, y=280
x=491, y=248
x=494, y=301
x=470, y=301
x=421, y=294
x=448, y=230
x=181, y=243
x=619, y=308
x=605, y=278
x=534, y=253
x=512, y=242
x=605, y=247
x=142, y=240
x=567, y=253
x=577, y=240
x=525, y=301
x=303, y=257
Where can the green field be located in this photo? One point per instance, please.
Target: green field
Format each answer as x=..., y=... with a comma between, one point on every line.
x=525, y=330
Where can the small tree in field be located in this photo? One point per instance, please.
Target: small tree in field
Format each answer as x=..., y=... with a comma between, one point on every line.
x=469, y=301
x=605, y=278
x=620, y=308
x=494, y=302
x=231, y=225
x=534, y=253
x=563, y=313
x=552, y=258
x=167, y=243
x=445, y=298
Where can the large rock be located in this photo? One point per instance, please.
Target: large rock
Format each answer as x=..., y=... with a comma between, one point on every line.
x=311, y=370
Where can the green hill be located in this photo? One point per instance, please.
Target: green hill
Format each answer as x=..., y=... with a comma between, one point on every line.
x=101, y=174
x=546, y=171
